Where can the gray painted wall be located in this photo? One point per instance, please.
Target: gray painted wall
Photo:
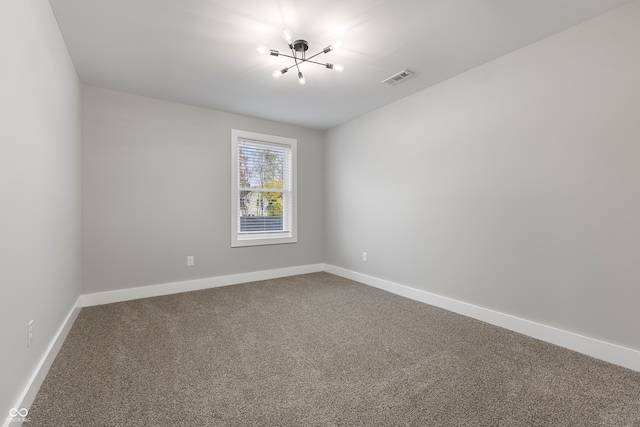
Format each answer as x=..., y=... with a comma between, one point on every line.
x=156, y=182
x=39, y=188
x=514, y=186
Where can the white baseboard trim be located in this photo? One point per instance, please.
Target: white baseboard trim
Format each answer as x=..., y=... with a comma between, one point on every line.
x=194, y=285
x=602, y=350
x=30, y=391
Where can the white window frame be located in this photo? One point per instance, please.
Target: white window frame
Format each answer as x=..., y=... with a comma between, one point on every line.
x=241, y=239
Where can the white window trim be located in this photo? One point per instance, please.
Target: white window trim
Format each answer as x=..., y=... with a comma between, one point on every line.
x=272, y=238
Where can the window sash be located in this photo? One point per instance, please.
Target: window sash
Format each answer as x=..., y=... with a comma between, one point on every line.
x=255, y=216
x=258, y=176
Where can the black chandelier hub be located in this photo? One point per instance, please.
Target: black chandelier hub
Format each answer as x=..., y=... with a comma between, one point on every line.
x=300, y=46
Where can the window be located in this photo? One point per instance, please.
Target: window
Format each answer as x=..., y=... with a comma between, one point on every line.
x=263, y=189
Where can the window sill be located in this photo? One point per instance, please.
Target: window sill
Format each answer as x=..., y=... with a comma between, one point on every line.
x=261, y=240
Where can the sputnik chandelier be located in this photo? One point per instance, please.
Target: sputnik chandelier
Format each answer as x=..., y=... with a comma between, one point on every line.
x=299, y=55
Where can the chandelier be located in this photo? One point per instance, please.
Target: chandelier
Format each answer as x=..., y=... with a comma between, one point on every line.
x=299, y=55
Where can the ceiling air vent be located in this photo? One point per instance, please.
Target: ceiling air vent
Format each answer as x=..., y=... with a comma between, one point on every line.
x=398, y=77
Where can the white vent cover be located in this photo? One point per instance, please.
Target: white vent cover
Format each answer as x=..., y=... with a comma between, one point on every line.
x=398, y=77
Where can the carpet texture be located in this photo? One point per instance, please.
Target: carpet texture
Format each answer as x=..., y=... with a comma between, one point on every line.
x=318, y=350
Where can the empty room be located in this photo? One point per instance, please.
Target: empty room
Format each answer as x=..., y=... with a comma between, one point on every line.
x=320, y=213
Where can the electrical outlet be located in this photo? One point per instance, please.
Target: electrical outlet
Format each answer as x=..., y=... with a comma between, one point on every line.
x=191, y=261
x=365, y=257
x=30, y=333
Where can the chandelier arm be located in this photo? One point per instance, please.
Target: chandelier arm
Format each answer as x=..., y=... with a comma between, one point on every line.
x=295, y=58
x=314, y=62
x=311, y=57
x=290, y=67
x=301, y=61
x=287, y=56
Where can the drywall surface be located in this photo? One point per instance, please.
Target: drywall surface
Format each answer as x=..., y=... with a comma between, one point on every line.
x=39, y=188
x=514, y=186
x=156, y=189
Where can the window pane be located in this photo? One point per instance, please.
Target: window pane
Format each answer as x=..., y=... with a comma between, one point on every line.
x=260, y=167
x=261, y=203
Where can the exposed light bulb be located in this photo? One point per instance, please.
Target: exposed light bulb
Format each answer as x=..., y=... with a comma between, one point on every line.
x=301, y=78
x=337, y=45
x=277, y=73
x=337, y=67
x=262, y=50
x=288, y=37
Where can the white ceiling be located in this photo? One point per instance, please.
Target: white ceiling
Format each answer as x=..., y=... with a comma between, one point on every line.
x=202, y=52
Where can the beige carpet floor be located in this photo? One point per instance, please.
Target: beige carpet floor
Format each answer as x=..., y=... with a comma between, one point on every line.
x=318, y=350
